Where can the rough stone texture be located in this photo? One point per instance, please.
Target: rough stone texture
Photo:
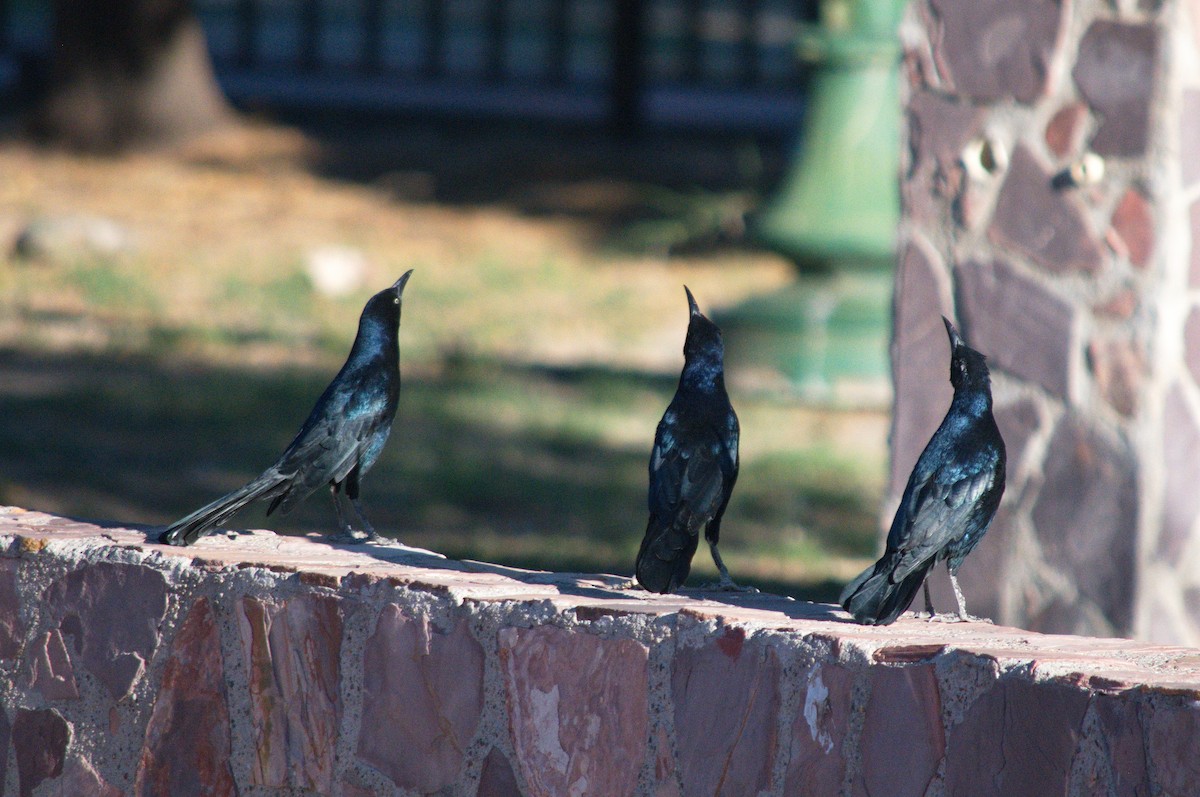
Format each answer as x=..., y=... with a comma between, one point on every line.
x=1079, y=284
x=187, y=747
x=1122, y=732
x=817, y=765
x=1173, y=747
x=78, y=779
x=725, y=693
x=1004, y=734
x=577, y=706
x=902, y=739
x=12, y=629
x=1181, y=441
x=50, y=668
x=920, y=358
x=39, y=738
x=994, y=49
x=1048, y=226
x=1117, y=368
x=1064, y=132
x=296, y=700
x=423, y=696
x=1021, y=326
x=1086, y=507
x=498, y=778
x=95, y=605
x=1018, y=423
x=1133, y=227
x=1115, y=68
x=5, y=739
x=509, y=682
x=938, y=133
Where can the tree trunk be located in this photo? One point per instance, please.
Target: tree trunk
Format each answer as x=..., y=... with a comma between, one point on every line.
x=128, y=73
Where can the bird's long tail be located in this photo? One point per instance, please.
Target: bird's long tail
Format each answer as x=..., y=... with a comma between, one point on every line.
x=873, y=599
x=665, y=558
x=186, y=531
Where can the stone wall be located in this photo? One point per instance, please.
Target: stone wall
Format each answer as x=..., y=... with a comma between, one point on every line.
x=1081, y=284
x=263, y=665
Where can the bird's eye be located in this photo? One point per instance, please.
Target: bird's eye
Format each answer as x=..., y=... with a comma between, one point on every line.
x=396, y=300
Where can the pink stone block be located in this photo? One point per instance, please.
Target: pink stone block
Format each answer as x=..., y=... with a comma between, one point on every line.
x=1121, y=728
x=39, y=739
x=726, y=695
x=577, y=708
x=920, y=357
x=12, y=628
x=187, y=745
x=1181, y=501
x=1064, y=132
x=817, y=765
x=1173, y=747
x=422, y=699
x=50, y=668
x=1082, y=517
x=79, y=779
x=665, y=776
x=1019, y=738
x=497, y=778
x=1133, y=224
x=112, y=611
x=293, y=653
x=1116, y=71
x=1049, y=226
x=902, y=740
x=996, y=49
x=1118, y=366
x=1022, y=326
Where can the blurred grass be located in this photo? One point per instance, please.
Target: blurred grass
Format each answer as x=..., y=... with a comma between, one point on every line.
x=537, y=360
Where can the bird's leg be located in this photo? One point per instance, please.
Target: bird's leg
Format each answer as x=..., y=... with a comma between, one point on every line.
x=726, y=583
x=963, y=617
x=371, y=534
x=929, y=612
x=345, y=532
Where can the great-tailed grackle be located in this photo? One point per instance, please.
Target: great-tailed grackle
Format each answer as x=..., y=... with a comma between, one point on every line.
x=342, y=437
x=948, y=503
x=693, y=466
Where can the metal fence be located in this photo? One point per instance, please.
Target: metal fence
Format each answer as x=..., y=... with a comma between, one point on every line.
x=717, y=64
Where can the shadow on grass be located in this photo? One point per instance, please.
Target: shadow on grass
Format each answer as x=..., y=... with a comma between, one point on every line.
x=485, y=462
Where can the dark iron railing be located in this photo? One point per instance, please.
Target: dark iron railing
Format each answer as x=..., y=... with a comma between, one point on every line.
x=702, y=63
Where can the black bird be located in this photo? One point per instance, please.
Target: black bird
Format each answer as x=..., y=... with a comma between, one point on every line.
x=342, y=437
x=948, y=503
x=693, y=466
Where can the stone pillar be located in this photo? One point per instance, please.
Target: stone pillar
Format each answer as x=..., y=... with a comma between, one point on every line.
x=1051, y=195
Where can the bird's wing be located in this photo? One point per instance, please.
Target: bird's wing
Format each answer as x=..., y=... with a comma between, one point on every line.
x=688, y=472
x=328, y=446
x=935, y=511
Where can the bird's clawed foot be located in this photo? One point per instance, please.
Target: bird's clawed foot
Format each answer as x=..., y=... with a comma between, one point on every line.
x=349, y=536
x=727, y=584
x=951, y=617
x=630, y=584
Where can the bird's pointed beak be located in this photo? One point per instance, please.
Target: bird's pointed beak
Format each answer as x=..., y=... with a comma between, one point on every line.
x=695, y=308
x=955, y=339
x=398, y=287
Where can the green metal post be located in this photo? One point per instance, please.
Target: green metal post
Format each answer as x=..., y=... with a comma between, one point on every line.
x=835, y=215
